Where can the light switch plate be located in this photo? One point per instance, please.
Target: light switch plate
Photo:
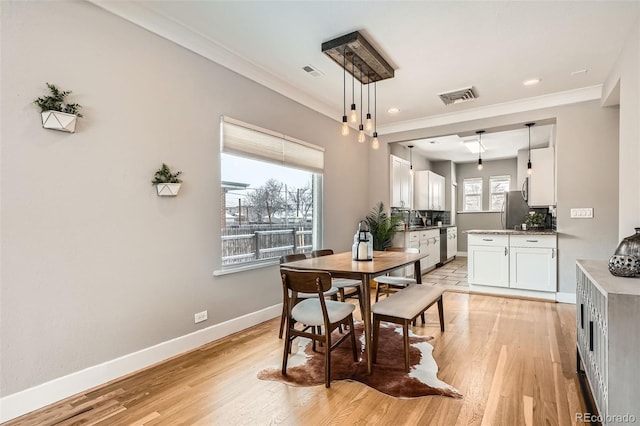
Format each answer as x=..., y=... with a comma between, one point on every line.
x=582, y=213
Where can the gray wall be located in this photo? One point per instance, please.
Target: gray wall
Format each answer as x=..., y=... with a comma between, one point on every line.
x=94, y=265
x=587, y=164
x=484, y=220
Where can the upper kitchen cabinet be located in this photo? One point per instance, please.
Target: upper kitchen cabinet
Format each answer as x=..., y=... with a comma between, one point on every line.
x=428, y=191
x=541, y=185
x=401, y=183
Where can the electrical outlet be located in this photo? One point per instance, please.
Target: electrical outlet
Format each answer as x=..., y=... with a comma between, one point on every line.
x=583, y=213
x=200, y=316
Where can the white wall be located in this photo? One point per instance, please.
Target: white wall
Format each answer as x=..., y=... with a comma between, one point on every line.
x=94, y=265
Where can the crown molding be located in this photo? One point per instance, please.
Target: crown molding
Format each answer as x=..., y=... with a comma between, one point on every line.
x=140, y=14
x=522, y=105
x=176, y=32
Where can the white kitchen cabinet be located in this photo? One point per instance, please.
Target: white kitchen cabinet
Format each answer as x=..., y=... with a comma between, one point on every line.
x=401, y=183
x=522, y=264
x=429, y=243
x=532, y=262
x=542, y=182
x=608, y=343
x=452, y=242
x=436, y=186
x=488, y=260
x=429, y=191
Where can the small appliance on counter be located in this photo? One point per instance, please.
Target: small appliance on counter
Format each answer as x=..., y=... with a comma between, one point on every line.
x=362, y=248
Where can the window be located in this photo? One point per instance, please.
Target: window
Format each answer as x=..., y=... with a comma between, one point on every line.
x=472, y=195
x=271, y=188
x=498, y=185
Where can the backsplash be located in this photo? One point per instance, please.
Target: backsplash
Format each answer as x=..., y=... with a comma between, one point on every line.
x=414, y=217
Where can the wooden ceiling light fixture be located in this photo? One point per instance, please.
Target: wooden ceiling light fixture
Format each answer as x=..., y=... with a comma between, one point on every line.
x=353, y=52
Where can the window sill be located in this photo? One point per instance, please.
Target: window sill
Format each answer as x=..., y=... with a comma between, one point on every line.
x=235, y=269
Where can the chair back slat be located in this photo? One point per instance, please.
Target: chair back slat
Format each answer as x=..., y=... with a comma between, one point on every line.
x=321, y=252
x=292, y=257
x=306, y=281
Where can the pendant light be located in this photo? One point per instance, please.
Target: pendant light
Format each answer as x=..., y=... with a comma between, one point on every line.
x=410, y=159
x=345, y=126
x=375, y=143
x=529, y=168
x=361, y=137
x=354, y=114
x=480, y=132
x=368, y=126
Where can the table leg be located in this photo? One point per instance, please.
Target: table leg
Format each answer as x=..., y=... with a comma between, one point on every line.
x=366, y=318
x=417, y=273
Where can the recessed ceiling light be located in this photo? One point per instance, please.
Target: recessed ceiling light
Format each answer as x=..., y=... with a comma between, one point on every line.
x=579, y=72
x=393, y=110
x=531, y=82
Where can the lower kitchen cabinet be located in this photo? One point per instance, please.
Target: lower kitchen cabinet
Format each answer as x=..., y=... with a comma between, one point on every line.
x=521, y=264
x=532, y=262
x=452, y=242
x=488, y=260
x=430, y=244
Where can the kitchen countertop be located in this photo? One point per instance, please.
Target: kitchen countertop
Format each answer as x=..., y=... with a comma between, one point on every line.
x=511, y=232
x=424, y=228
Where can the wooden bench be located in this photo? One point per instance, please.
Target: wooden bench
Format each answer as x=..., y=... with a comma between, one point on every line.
x=403, y=307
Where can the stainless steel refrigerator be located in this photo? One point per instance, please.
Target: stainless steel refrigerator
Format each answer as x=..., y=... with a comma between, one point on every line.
x=514, y=210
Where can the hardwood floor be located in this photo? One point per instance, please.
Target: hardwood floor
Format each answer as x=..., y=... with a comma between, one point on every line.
x=513, y=360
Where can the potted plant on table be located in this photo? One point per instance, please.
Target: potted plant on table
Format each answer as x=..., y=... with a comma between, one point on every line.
x=382, y=227
x=167, y=183
x=55, y=113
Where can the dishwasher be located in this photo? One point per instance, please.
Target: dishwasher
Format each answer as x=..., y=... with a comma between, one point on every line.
x=443, y=246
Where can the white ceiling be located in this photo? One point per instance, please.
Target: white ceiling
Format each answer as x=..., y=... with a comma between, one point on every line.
x=497, y=144
x=435, y=46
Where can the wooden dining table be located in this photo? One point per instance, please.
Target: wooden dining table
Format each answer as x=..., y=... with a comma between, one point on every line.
x=341, y=265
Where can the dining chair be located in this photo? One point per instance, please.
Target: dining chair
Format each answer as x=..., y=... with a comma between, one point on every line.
x=332, y=292
x=319, y=317
x=387, y=284
x=342, y=284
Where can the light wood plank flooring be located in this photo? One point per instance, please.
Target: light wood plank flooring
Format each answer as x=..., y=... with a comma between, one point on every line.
x=513, y=360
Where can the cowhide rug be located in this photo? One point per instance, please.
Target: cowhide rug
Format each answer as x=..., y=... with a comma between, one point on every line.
x=306, y=367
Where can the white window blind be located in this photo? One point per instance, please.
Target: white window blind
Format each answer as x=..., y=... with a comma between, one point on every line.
x=498, y=186
x=245, y=140
x=472, y=194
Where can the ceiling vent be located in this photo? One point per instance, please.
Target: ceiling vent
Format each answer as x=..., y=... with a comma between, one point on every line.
x=312, y=70
x=457, y=96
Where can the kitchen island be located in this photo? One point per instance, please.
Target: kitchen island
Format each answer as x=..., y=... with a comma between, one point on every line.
x=513, y=262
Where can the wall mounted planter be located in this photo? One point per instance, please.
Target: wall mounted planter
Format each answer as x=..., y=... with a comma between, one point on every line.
x=168, y=189
x=57, y=120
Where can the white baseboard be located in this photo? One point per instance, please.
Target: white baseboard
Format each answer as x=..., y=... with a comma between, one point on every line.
x=39, y=396
x=566, y=298
x=461, y=254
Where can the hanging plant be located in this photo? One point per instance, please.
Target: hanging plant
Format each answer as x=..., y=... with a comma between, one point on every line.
x=56, y=114
x=167, y=183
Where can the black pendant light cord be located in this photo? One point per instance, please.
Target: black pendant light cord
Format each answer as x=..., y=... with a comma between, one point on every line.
x=361, y=97
x=375, y=108
x=344, y=83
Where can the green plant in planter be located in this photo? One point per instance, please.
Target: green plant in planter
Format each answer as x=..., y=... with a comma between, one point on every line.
x=164, y=175
x=55, y=102
x=382, y=227
x=534, y=220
